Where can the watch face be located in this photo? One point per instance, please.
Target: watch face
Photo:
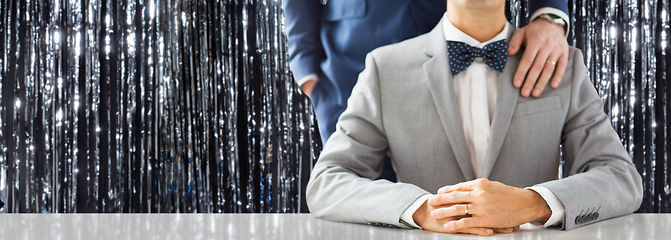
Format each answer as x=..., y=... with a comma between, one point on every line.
x=554, y=18
x=559, y=21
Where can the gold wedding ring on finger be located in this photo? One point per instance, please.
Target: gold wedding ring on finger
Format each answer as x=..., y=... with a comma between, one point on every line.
x=466, y=209
x=551, y=62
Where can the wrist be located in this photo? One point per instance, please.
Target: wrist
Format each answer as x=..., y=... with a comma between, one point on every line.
x=421, y=214
x=554, y=20
x=539, y=211
x=308, y=86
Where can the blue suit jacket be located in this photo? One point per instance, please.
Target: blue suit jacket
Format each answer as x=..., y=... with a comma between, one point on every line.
x=332, y=41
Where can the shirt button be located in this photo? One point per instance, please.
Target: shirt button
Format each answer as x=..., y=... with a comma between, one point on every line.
x=480, y=131
x=476, y=82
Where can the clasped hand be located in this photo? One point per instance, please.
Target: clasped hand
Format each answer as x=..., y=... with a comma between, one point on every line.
x=481, y=207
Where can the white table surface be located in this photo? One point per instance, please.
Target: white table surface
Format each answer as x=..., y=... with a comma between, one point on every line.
x=286, y=226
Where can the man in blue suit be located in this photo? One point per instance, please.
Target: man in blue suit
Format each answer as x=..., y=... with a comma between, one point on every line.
x=328, y=44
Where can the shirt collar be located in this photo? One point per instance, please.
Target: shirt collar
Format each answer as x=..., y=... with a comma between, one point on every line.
x=452, y=33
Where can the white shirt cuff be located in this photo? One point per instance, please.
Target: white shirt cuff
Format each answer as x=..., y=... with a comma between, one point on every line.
x=309, y=77
x=407, y=214
x=556, y=206
x=549, y=10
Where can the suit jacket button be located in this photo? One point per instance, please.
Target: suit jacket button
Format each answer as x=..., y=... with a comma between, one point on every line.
x=577, y=220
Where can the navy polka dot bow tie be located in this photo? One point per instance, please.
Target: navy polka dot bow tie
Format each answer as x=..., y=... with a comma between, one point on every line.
x=462, y=55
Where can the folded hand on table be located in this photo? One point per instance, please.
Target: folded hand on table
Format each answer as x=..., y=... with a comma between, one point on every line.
x=481, y=207
x=423, y=217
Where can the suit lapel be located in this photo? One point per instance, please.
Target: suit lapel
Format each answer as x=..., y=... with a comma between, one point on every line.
x=437, y=70
x=439, y=78
x=506, y=101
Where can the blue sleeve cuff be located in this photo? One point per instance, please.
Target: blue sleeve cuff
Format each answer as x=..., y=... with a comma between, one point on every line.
x=304, y=65
x=536, y=5
x=553, y=11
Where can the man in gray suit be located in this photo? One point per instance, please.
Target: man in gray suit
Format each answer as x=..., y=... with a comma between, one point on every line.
x=427, y=102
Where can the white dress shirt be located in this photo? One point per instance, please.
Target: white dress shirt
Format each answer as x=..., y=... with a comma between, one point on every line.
x=475, y=91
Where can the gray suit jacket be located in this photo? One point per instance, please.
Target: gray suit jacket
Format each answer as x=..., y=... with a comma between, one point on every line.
x=404, y=104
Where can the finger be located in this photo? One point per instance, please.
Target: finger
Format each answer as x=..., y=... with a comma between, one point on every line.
x=503, y=230
x=516, y=228
x=560, y=70
x=525, y=63
x=450, y=212
x=464, y=186
x=464, y=223
x=477, y=231
x=534, y=72
x=455, y=197
x=516, y=41
x=548, y=70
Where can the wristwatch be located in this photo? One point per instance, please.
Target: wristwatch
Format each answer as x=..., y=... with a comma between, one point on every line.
x=554, y=19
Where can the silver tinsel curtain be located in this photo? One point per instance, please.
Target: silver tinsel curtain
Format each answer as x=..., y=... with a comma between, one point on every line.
x=188, y=106
x=150, y=106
